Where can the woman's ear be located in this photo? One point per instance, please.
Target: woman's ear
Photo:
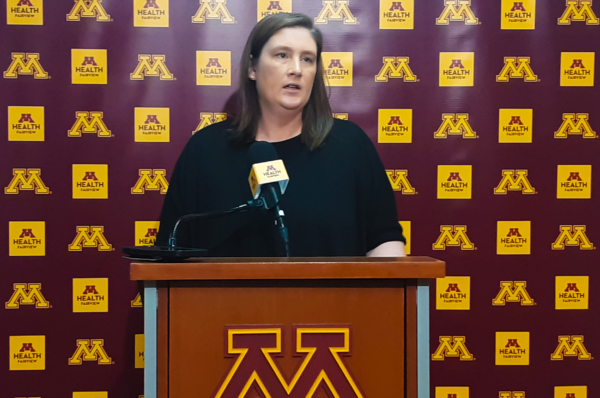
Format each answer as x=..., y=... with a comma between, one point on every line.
x=251, y=70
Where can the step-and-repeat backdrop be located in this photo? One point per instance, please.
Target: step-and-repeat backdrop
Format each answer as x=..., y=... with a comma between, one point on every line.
x=485, y=114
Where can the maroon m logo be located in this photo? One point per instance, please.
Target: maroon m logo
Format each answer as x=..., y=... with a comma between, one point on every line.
x=274, y=5
x=90, y=175
x=89, y=61
x=396, y=6
x=395, y=120
x=26, y=117
x=453, y=287
x=26, y=233
x=90, y=289
x=456, y=63
x=518, y=6
x=454, y=177
x=151, y=119
x=213, y=62
x=516, y=120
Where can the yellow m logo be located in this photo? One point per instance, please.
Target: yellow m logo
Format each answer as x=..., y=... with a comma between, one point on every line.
x=27, y=294
x=572, y=235
x=516, y=67
x=90, y=350
x=137, y=301
x=454, y=347
x=19, y=66
x=579, y=11
x=151, y=65
x=152, y=180
x=570, y=126
x=88, y=9
x=455, y=11
x=453, y=235
x=336, y=10
x=208, y=11
x=396, y=68
x=89, y=122
x=512, y=394
x=26, y=180
x=570, y=346
x=514, y=180
x=455, y=124
x=90, y=237
x=399, y=181
x=208, y=118
x=513, y=292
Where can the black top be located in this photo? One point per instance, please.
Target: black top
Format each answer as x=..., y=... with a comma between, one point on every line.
x=339, y=201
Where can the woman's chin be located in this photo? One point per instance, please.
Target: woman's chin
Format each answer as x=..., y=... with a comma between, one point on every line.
x=292, y=105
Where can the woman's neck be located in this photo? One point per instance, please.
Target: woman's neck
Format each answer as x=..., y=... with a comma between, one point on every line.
x=280, y=126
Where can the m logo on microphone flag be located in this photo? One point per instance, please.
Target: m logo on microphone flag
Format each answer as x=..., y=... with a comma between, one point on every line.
x=208, y=118
x=394, y=14
x=151, y=13
x=457, y=69
x=27, y=238
x=512, y=348
x=572, y=292
x=338, y=68
x=25, y=12
x=213, y=9
x=213, y=68
x=515, y=126
x=90, y=294
x=575, y=124
x=457, y=11
x=574, y=182
x=152, y=125
x=579, y=11
x=89, y=66
x=27, y=352
x=269, y=7
x=145, y=232
x=25, y=64
x=454, y=182
x=26, y=123
x=88, y=9
x=577, y=69
x=27, y=294
x=395, y=126
x=452, y=392
x=90, y=181
x=336, y=10
x=518, y=14
x=453, y=293
x=151, y=180
x=513, y=237
x=570, y=392
x=265, y=173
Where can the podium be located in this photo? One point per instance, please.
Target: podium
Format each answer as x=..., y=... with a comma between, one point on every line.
x=287, y=327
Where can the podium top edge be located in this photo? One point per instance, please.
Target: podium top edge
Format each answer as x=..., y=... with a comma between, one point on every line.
x=253, y=268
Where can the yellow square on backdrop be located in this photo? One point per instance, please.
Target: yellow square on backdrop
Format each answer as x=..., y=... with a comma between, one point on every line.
x=574, y=182
x=513, y=237
x=518, y=14
x=396, y=14
x=90, y=394
x=338, y=68
x=269, y=7
x=453, y=293
x=395, y=126
x=89, y=66
x=457, y=69
x=26, y=123
x=27, y=352
x=30, y=12
x=139, y=351
x=512, y=348
x=454, y=182
x=570, y=392
x=152, y=125
x=406, y=231
x=90, y=181
x=90, y=294
x=515, y=125
x=27, y=238
x=213, y=68
x=577, y=69
x=145, y=232
x=572, y=292
x=454, y=392
x=151, y=13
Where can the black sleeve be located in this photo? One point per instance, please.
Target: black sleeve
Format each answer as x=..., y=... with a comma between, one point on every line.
x=381, y=215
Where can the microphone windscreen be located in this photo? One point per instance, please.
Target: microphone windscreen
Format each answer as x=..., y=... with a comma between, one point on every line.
x=262, y=151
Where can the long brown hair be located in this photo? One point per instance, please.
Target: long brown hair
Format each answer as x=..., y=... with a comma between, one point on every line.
x=317, y=118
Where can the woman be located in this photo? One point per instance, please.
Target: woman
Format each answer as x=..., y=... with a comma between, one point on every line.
x=338, y=202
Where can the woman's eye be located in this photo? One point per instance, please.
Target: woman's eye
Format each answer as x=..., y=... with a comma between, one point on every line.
x=309, y=60
x=281, y=55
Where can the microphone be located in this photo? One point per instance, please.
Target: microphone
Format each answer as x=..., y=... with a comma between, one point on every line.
x=268, y=180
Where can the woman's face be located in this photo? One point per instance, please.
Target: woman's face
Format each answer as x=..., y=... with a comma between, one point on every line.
x=286, y=69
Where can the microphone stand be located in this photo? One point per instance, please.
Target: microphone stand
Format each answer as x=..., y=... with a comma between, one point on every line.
x=279, y=214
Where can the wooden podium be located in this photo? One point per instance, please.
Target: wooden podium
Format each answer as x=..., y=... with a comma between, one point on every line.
x=340, y=327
